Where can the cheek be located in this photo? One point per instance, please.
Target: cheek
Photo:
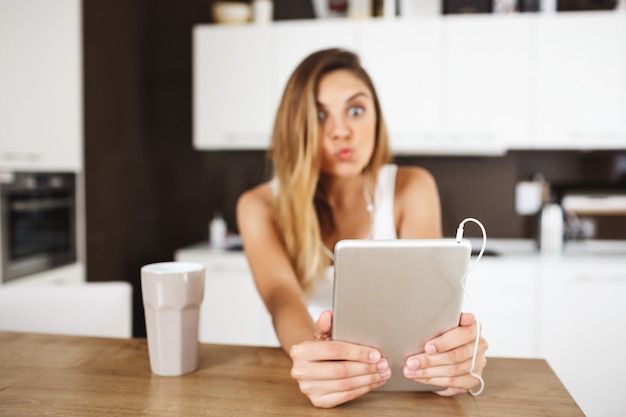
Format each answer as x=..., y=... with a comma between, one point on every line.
x=325, y=151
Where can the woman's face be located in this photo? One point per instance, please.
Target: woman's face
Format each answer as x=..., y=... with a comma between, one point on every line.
x=347, y=118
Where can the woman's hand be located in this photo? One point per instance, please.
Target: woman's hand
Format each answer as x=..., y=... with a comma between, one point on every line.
x=332, y=372
x=447, y=359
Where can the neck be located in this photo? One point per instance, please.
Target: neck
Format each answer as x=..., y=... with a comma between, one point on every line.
x=342, y=192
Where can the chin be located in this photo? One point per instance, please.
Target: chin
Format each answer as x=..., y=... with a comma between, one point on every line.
x=346, y=169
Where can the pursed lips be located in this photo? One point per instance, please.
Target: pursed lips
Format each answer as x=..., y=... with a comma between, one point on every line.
x=344, y=153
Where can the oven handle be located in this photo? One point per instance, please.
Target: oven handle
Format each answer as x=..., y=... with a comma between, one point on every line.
x=43, y=204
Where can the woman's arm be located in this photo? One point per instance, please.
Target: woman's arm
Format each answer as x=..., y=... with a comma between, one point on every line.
x=328, y=372
x=273, y=274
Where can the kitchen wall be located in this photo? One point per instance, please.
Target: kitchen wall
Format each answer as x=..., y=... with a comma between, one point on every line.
x=148, y=192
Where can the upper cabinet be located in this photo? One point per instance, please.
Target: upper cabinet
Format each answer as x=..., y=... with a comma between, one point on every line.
x=239, y=74
x=473, y=84
x=403, y=58
x=580, y=81
x=232, y=91
x=486, y=82
x=41, y=85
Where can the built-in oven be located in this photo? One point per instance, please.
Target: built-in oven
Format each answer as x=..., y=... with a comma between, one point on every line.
x=37, y=222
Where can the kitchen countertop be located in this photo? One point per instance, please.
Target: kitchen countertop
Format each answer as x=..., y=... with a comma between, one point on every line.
x=497, y=247
x=76, y=376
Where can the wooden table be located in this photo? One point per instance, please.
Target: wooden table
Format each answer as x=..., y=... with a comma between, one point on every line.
x=85, y=376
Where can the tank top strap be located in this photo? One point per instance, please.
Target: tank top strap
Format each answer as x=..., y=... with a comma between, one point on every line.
x=384, y=223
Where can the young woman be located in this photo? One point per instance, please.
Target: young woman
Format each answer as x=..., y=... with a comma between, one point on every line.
x=332, y=180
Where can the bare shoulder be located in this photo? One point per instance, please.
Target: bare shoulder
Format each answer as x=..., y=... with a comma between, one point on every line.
x=253, y=206
x=257, y=198
x=413, y=178
x=417, y=206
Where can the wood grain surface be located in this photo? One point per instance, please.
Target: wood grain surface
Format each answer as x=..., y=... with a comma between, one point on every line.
x=84, y=376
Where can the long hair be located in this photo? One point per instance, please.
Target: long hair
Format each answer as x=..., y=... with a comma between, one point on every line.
x=295, y=158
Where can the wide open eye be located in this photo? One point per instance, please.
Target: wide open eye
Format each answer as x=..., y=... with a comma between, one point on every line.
x=356, y=111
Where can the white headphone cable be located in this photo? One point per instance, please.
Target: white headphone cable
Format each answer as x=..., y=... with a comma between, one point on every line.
x=459, y=238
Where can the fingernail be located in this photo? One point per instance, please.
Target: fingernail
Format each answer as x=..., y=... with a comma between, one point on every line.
x=430, y=349
x=386, y=374
x=413, y=363
x=383, y=365
x=409, y=373
x=374, y=356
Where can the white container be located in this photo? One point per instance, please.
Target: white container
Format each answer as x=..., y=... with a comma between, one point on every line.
x=528, y=197
x=551, y=230
x=359, y=9
x=218, y=231
x=172, y=294
x=262, y=11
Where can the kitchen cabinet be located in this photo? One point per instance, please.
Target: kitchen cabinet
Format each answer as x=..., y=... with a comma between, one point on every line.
x=240, y=71
x=579, y=83
x=231, y=73
x=504, y=293
x=292, y=41
x=582, y=329
x=478, y=84
x=232, y=311
x=486, y=83
x=410, y=99
x=41, y=85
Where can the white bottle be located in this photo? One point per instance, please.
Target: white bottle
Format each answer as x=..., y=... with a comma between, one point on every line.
x=262, y=11
x=217, y=231
x=551, y=230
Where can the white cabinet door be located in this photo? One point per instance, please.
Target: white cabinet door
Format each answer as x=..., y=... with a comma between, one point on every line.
x=232, y=311
x=583, y=336
x=486, y=83
x=403, y=58
x=292, y=41
x=580, y=84
x=41, y=84
x=503, y=292
x=240, y=71
x=231, y=96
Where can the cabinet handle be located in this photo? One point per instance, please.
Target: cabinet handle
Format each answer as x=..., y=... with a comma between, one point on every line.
x=591, y=277
x=608, y=136
x=21, y=156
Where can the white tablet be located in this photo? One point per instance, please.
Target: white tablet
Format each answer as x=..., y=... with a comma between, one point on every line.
x=395, y=295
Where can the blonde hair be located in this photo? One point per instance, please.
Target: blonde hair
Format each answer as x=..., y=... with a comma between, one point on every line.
x=295, y=158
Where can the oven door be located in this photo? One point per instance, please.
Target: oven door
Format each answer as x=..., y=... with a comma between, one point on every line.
x=38, y=225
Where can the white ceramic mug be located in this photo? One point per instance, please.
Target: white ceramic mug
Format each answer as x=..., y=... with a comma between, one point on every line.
x=172, y=293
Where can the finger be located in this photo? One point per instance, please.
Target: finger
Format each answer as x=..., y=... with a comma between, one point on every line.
x=467, y=319
x=331, y=393
x=457, y=356
x=337, y=370
x=447, y=372
x=449, y=392
x=324, y=326
x=452, y=339
x=333, y=350
x=332, y=399
x=454, y=384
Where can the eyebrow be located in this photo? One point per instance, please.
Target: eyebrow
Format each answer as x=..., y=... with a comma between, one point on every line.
x=352, y=97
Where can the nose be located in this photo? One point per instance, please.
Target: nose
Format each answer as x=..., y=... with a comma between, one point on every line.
x=339, y=128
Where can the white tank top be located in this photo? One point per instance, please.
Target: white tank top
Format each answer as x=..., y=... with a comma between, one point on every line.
x=383, y=227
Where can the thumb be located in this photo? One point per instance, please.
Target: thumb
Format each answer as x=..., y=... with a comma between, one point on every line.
x=324, y=325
